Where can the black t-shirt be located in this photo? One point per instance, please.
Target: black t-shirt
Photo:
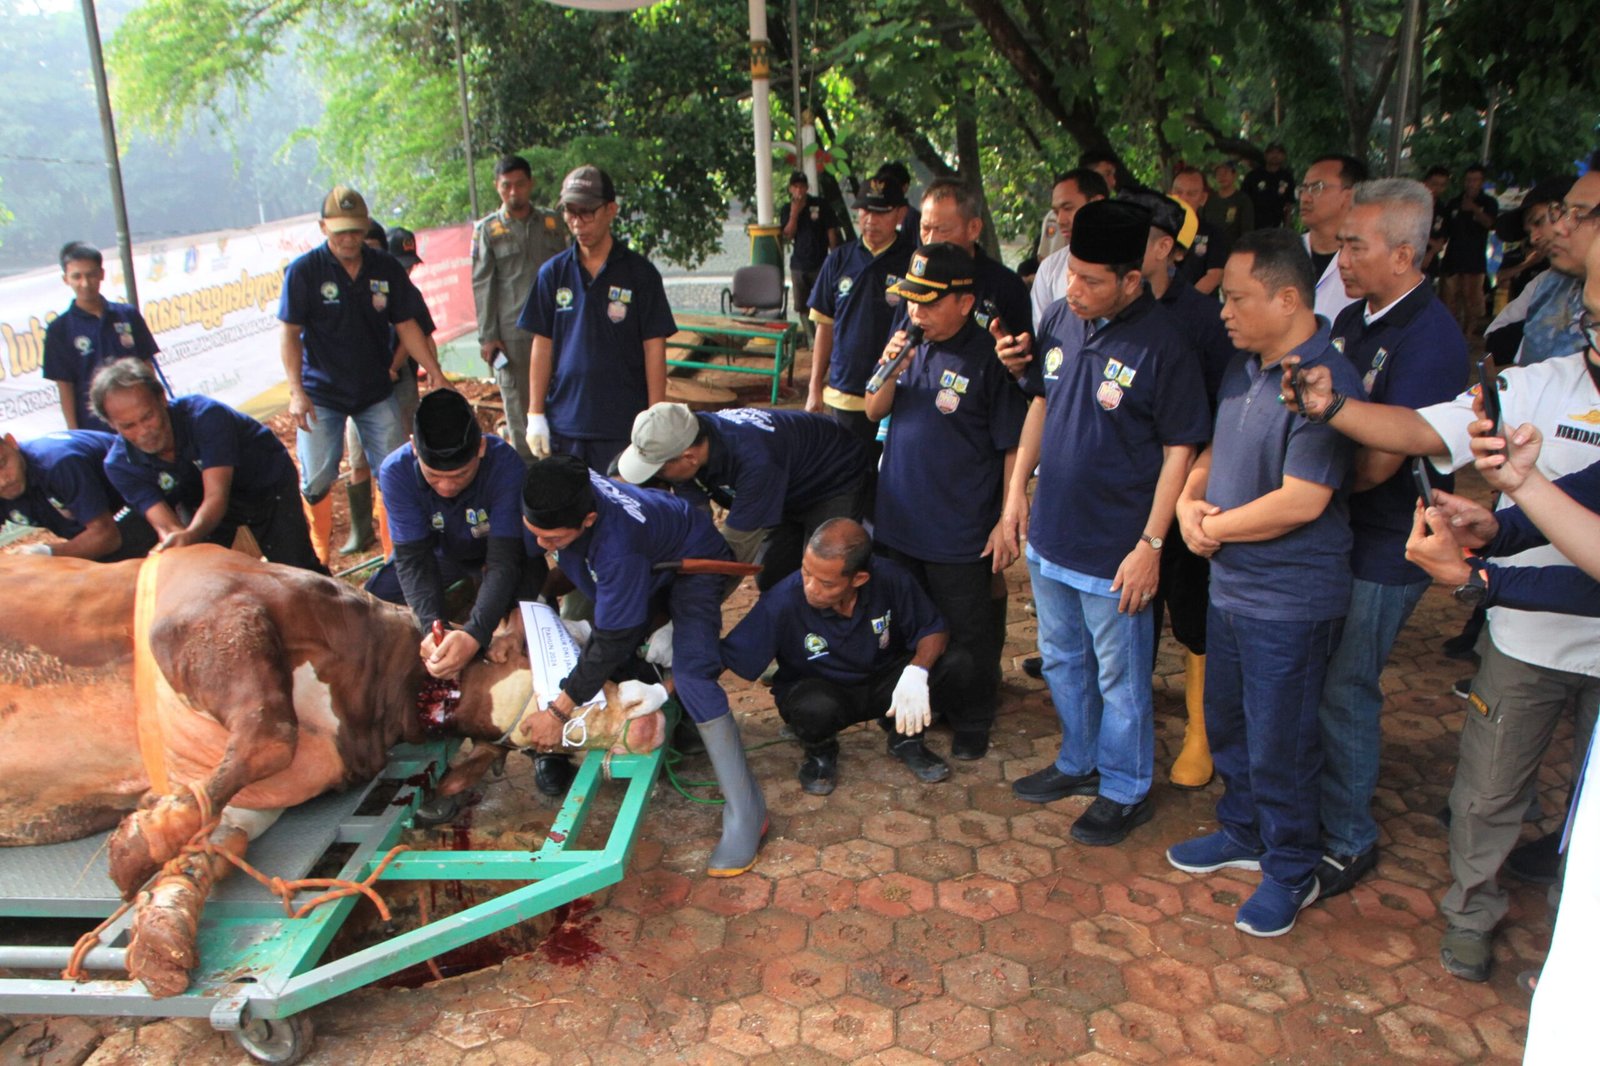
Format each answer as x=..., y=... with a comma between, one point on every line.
x=1467, y=252
x=810, y=246
x=1320, y=261
x=1270, y=192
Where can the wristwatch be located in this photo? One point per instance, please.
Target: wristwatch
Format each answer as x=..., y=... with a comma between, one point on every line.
x=1476, y=587
x=1154, y=542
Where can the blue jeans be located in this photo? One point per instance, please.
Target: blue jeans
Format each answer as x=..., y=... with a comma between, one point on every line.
x=1263, y=682
x=1352, y=702
x=1096, y=662
x=321, y=448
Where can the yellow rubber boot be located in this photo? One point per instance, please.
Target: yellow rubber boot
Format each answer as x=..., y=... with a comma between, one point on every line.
x=380, y=521
x=1192, y=767
x=319, y=522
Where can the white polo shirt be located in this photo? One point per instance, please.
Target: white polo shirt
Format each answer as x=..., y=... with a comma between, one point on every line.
x=1331, y=297
x=1049, y=284
x=1559, y=398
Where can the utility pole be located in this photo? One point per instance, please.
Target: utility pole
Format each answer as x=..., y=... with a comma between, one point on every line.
x=108, y=132
x=466, y=113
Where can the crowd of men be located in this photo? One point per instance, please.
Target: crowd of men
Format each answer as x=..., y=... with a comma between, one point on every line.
x=1196, y=413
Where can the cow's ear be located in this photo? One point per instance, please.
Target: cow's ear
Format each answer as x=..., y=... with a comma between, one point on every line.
x=469, y=770
x=508, y=639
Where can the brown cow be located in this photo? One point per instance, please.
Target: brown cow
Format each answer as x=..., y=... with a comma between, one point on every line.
x=273, y=685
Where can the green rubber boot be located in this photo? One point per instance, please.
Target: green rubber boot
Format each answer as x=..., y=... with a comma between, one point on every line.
x=360, y=495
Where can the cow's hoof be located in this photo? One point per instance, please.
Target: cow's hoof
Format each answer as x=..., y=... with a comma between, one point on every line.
x=161, y=949
x=436, y=811
x=148, y=838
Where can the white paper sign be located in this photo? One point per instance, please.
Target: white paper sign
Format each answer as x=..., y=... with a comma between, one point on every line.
x=552, y=652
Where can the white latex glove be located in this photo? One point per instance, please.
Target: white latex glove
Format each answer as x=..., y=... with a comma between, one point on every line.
x=640, y=699
x=659, y=648
x=35, y=549
x=580, y=630
x=909, y=705
x=539, y=436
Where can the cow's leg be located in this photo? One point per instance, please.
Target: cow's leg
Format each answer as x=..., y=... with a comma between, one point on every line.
x=161, y=949
x=230, y=665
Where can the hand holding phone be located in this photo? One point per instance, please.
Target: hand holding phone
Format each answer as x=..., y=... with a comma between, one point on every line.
x=1419, y=476
x=1489, y=393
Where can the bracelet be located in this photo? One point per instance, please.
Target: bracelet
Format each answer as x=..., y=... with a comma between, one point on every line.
x=1333, y=408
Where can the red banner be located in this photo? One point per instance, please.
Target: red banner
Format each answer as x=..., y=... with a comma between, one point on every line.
x=445, y=278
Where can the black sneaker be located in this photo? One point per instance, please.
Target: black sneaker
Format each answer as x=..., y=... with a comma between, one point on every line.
x=1339, y=873
x=1108, y=822
x=1050, y=784
x=819, y=773
x=1461, y=647
x=928, y=767
x=969, y=746
x=553, y=774
x=1033, y=666
x=1537, y=862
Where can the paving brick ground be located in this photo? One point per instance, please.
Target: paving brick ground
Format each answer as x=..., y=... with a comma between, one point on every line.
x=894, y=922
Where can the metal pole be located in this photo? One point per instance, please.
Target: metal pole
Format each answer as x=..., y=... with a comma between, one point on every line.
x=1488, y=126
x=1403, y=98
x=108, y=131
x=803, y=158
x=466, y=113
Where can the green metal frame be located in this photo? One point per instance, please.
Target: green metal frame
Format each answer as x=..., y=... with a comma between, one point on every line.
x=267, y=966
x=783, y=335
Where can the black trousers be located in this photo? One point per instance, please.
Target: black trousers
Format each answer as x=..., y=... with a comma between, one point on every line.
x=1184, y=592
x=817, y=709
x=976, y=622
x=786, y=543
x=275, y=519
x=864, y=430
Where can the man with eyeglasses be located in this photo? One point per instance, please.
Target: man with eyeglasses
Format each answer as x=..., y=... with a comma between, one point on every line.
x=1534, y=662
x=600, y=322
x=1468, y=220
x=1540, y=322
x=1072, y=191
x=1556, y=300
x=1325, y=198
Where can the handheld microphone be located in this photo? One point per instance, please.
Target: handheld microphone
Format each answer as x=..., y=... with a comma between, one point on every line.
x=886, y=371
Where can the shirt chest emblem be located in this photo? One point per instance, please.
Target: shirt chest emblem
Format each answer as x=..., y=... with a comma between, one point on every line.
x=166, y=481
x=437, y=520
x=1119, y=373
x=60, y=507
x=19, y=518
x=949, y=379
x=947, y=401
x=124, y=334
x=880, y=626
x=83, y=343
x=563, y=298
x=1338, y=344
x=330, y=292
x=380, y=295
x=816, y=646
x=1108, y=395
x=1052, y=362
x=620, y=295
x=616, y=311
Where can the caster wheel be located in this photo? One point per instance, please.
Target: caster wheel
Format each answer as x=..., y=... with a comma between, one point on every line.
x=278, y=1041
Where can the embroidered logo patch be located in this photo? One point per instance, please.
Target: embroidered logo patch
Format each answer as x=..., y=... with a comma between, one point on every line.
x=816, y=647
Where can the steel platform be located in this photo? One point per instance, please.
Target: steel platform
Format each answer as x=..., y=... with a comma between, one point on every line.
x=258, y=966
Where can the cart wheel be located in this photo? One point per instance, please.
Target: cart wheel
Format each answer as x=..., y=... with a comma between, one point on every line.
x=279, y=1041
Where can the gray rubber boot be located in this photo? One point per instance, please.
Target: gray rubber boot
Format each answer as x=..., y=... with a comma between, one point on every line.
x=744, y=812
x=360, y=495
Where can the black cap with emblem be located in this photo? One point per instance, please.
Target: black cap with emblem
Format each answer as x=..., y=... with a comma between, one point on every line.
x=935, y=269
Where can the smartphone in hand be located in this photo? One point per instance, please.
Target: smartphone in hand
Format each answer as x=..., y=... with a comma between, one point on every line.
x=1489, y=389
x=1296, y=378
x=1419, y=477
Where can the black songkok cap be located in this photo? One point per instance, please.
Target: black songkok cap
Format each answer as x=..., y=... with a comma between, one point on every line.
x=1110, y=233
x=445, y=432
x=556, y=494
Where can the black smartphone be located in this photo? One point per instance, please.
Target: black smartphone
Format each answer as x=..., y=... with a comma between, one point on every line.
x=1489, y=388
x=1296, y=377
x=1419, y=476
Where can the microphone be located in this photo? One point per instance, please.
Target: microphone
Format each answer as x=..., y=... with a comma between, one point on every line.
x=886, y=371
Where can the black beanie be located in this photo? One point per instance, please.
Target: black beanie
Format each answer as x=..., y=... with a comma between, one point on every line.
x=445, y=432
x=1110, y=233
x=556, y=494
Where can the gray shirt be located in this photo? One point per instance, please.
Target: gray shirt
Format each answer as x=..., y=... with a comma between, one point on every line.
x=506, y=256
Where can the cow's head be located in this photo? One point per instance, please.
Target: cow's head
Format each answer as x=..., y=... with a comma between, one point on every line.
x=493, y=692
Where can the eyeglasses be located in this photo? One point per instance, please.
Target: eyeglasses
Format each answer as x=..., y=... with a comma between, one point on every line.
x=1559, y=213
x=572, y=214
x=1589, y=323
x=1316, y=188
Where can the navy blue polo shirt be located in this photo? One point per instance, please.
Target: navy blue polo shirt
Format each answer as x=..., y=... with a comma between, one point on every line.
x=1199, y=320
x=1414, y=356
x=810, y=247
x=67, y=487
x=76, y=344
x=1304, y=575
x=345, y=324
x=764, y=464
x=956, y=413
x=1059, y=336
x=206, y=434
x=458, y=527
x=852, y=293
x=611, y=563
x=1131, y=389
x=891, y=615
x=597, y=329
